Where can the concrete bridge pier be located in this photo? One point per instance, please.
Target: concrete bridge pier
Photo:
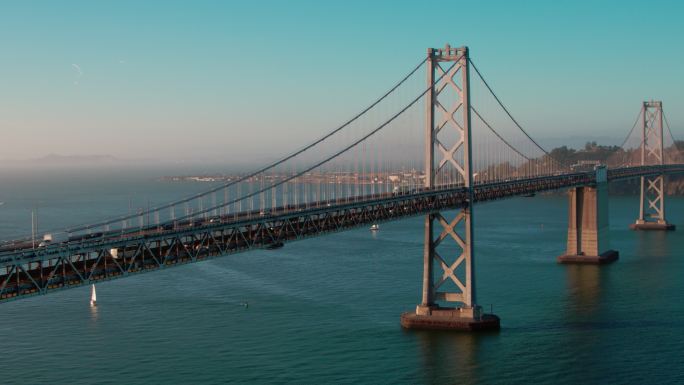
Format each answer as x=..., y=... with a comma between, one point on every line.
x=588, y=238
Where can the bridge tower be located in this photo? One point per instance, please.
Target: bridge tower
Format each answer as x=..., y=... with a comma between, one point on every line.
x=448, y=132
x=652, y=197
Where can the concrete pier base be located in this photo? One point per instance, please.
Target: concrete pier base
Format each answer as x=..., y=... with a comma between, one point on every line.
x=588, y=232
x=606, y=257
x=447, y=318
x=656, y=226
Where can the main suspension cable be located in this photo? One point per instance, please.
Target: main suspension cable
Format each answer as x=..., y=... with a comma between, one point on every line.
x=667, y=123
x=674, y=141
x=499, y=136
x=633, y=127
x=335, y=155
x=261, y=170
x=506, y=109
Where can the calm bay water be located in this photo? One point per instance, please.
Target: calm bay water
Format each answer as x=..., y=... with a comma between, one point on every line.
x=326, y=310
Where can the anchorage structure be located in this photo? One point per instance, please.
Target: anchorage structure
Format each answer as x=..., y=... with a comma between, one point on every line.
x=652, y=197
x=448, y=132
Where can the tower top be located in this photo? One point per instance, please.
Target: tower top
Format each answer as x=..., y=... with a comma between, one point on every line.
x=448, y=53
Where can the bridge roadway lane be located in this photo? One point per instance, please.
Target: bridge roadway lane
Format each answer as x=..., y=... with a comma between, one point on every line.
x=25, y=271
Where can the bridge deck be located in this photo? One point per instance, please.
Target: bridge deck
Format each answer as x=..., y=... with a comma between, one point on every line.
x=25, y=271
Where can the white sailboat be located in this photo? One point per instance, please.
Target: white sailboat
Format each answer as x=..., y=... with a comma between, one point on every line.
x=93, y=296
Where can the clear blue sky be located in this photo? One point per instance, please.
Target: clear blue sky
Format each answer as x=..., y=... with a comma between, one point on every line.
x=217, y=77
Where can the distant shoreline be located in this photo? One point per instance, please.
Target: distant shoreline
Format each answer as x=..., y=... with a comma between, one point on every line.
x=674, y=185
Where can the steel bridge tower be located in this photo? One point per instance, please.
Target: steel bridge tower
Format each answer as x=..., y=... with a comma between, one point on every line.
x=451, y=248
x=652, y=197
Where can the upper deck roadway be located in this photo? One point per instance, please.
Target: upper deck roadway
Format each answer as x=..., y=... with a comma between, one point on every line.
x=26, y=270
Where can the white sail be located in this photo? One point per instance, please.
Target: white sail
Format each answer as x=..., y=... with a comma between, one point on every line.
x=93, y=296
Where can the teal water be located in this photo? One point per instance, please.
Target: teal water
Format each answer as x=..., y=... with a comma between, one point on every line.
x=326, y=310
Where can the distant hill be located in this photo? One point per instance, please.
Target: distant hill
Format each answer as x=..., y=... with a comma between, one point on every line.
x=592, y=151
x=70, y=159
x=56, y=160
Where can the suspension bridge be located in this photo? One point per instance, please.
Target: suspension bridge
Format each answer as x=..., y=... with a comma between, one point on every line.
x=424, y=148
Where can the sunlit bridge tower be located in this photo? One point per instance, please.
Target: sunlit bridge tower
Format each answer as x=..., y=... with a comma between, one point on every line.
x=652, y=197
x=448, y=243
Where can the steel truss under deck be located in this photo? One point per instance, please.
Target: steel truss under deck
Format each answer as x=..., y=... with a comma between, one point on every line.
x=28, y=272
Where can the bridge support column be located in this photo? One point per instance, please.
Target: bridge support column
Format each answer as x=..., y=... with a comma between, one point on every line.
x=652, y=205
x=455, y=286
x=652, y=196
x=588, y=238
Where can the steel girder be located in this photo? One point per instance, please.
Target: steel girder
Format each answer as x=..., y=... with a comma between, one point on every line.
x=643, y=171
x=25, y=273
